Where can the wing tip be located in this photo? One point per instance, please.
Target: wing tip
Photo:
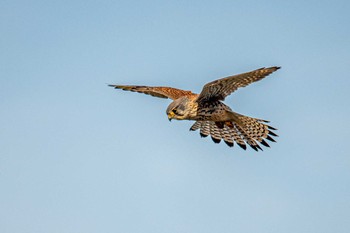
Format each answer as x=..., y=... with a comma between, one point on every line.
x=270, y=138
x=216, y=140
x=243, y=146
x=113, y=85
x=230, y=144
x=272, y=68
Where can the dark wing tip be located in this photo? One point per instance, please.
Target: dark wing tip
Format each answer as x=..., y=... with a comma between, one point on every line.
x=243, y=146
x=273, y=68
x=230, y=144
x=203, y=135
x=263, y=142
x=118, y=86
x=270, y=138
x=216, y=140
x=273, y=134
x=270, y=69
x=254, y=147
x=272, y=128
x=259, y=147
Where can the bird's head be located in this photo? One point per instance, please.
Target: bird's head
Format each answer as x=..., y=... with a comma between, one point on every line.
x=178, y=109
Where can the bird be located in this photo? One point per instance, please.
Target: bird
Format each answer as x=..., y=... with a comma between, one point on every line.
x=213, y=117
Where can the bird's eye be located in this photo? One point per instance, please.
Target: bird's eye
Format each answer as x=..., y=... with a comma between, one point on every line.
x=175, y=111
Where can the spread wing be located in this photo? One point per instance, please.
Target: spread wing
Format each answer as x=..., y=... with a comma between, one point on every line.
x=219, y=89
x=161, y=92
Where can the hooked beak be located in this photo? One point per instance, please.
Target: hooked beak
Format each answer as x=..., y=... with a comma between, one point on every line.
x=170, y=116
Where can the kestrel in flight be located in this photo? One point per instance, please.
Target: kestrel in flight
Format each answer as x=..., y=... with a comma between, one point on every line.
x=212, y=116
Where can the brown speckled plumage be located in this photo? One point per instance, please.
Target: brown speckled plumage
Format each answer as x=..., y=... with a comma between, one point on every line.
x=213, y=117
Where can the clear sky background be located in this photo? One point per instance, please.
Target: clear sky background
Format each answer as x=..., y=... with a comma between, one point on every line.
x=78, y=156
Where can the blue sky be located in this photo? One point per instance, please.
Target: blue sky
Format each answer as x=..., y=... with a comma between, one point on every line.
x=78, y=156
